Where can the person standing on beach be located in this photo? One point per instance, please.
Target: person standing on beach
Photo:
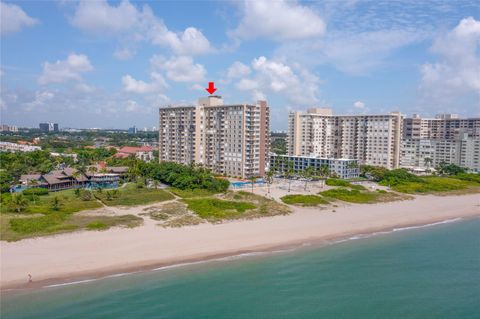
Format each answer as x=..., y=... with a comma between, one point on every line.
x=30, y=280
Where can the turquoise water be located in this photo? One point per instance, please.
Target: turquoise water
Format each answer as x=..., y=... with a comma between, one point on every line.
x=431, y=272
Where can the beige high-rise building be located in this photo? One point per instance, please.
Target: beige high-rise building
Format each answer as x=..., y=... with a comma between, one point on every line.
x=232, y=140
x=371, y=139
x=427, y=142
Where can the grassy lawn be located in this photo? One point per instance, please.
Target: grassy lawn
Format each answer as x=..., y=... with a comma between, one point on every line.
x=304, y=200
x=190, y=193
x=437, y=184
x=362, y=197
x=131, y=196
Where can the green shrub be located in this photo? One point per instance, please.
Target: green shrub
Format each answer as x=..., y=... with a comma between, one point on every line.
x=36, y=191
x=211, y=208
x=86, y=195
x=337, y=182
x=352, y=196
x=97, y=226
x=399, y=176
x=303, y=200
x=468, y=177
x=433, y=184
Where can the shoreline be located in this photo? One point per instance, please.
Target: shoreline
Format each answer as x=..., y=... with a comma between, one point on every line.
x=203, y=243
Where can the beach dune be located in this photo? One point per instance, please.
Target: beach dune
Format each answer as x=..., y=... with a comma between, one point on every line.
x=91, y=254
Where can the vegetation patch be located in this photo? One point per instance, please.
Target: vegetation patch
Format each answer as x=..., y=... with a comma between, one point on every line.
x=343, y=183
x=190, y=193
x=304, y=200
x=217, y=209
x=362, y=197
x=265, y=206
x=97, y=226
x=183, y=220
x=435, y=185
x=65, y=202
x=20, y=226
x=131, y=195
x=35, y=191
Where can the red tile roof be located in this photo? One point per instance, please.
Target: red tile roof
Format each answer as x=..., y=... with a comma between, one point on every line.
x=132, y=149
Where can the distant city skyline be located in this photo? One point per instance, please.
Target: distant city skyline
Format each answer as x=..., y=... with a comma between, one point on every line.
x=112, y=64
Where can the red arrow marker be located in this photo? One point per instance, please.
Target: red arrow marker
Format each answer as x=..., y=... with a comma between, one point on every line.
x=211, y=87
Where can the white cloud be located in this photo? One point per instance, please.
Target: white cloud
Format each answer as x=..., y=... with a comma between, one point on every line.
x=94, y=16
x=294, y=83
x=123, y=54
x=278, y=20
x=179, y=69
x=137, y=86
x=65, y=70
x=84, y=88
x=352, y=53
x=457, y=71
x=189, y=42
x=134, y=25
x=132, y=106
x=238, y=70
x=41, y=97
x=13, y=19
x=359, y=105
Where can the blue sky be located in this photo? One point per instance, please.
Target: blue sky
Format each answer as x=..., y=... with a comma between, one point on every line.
x=111, y=64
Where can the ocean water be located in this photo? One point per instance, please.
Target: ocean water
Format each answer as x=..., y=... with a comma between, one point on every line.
x=429, y=272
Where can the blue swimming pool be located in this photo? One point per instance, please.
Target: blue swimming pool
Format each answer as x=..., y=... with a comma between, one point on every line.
x=258, y=182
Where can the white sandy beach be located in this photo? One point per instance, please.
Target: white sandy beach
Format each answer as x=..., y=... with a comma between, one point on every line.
x=89, y=254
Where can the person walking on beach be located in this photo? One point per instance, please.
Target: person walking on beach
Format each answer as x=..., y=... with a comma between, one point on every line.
x=30, y=280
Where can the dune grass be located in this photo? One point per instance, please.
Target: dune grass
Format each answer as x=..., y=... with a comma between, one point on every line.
x=17, y=226
x=190, y=193
x=69, y=203
x=131, y=196
x=343, y=183
x=265, y=206
x=304, y=200
x=217, y=209
x=433, y=184
x=362, y=197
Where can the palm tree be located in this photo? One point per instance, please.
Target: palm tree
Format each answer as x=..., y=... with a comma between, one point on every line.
x=18, y=203
x=289, y=172
x=269, y=178
x=92, y=169
x=307, y=173
x=252, y=179
x=75, y=175
x=428, y=161
x=56, y=203
x=33, y=182
x=323, y=172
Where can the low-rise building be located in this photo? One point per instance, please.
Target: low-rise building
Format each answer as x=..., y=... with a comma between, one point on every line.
x=144, y=153
x=8, y=128
x=342, y=168
x=14, y=147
